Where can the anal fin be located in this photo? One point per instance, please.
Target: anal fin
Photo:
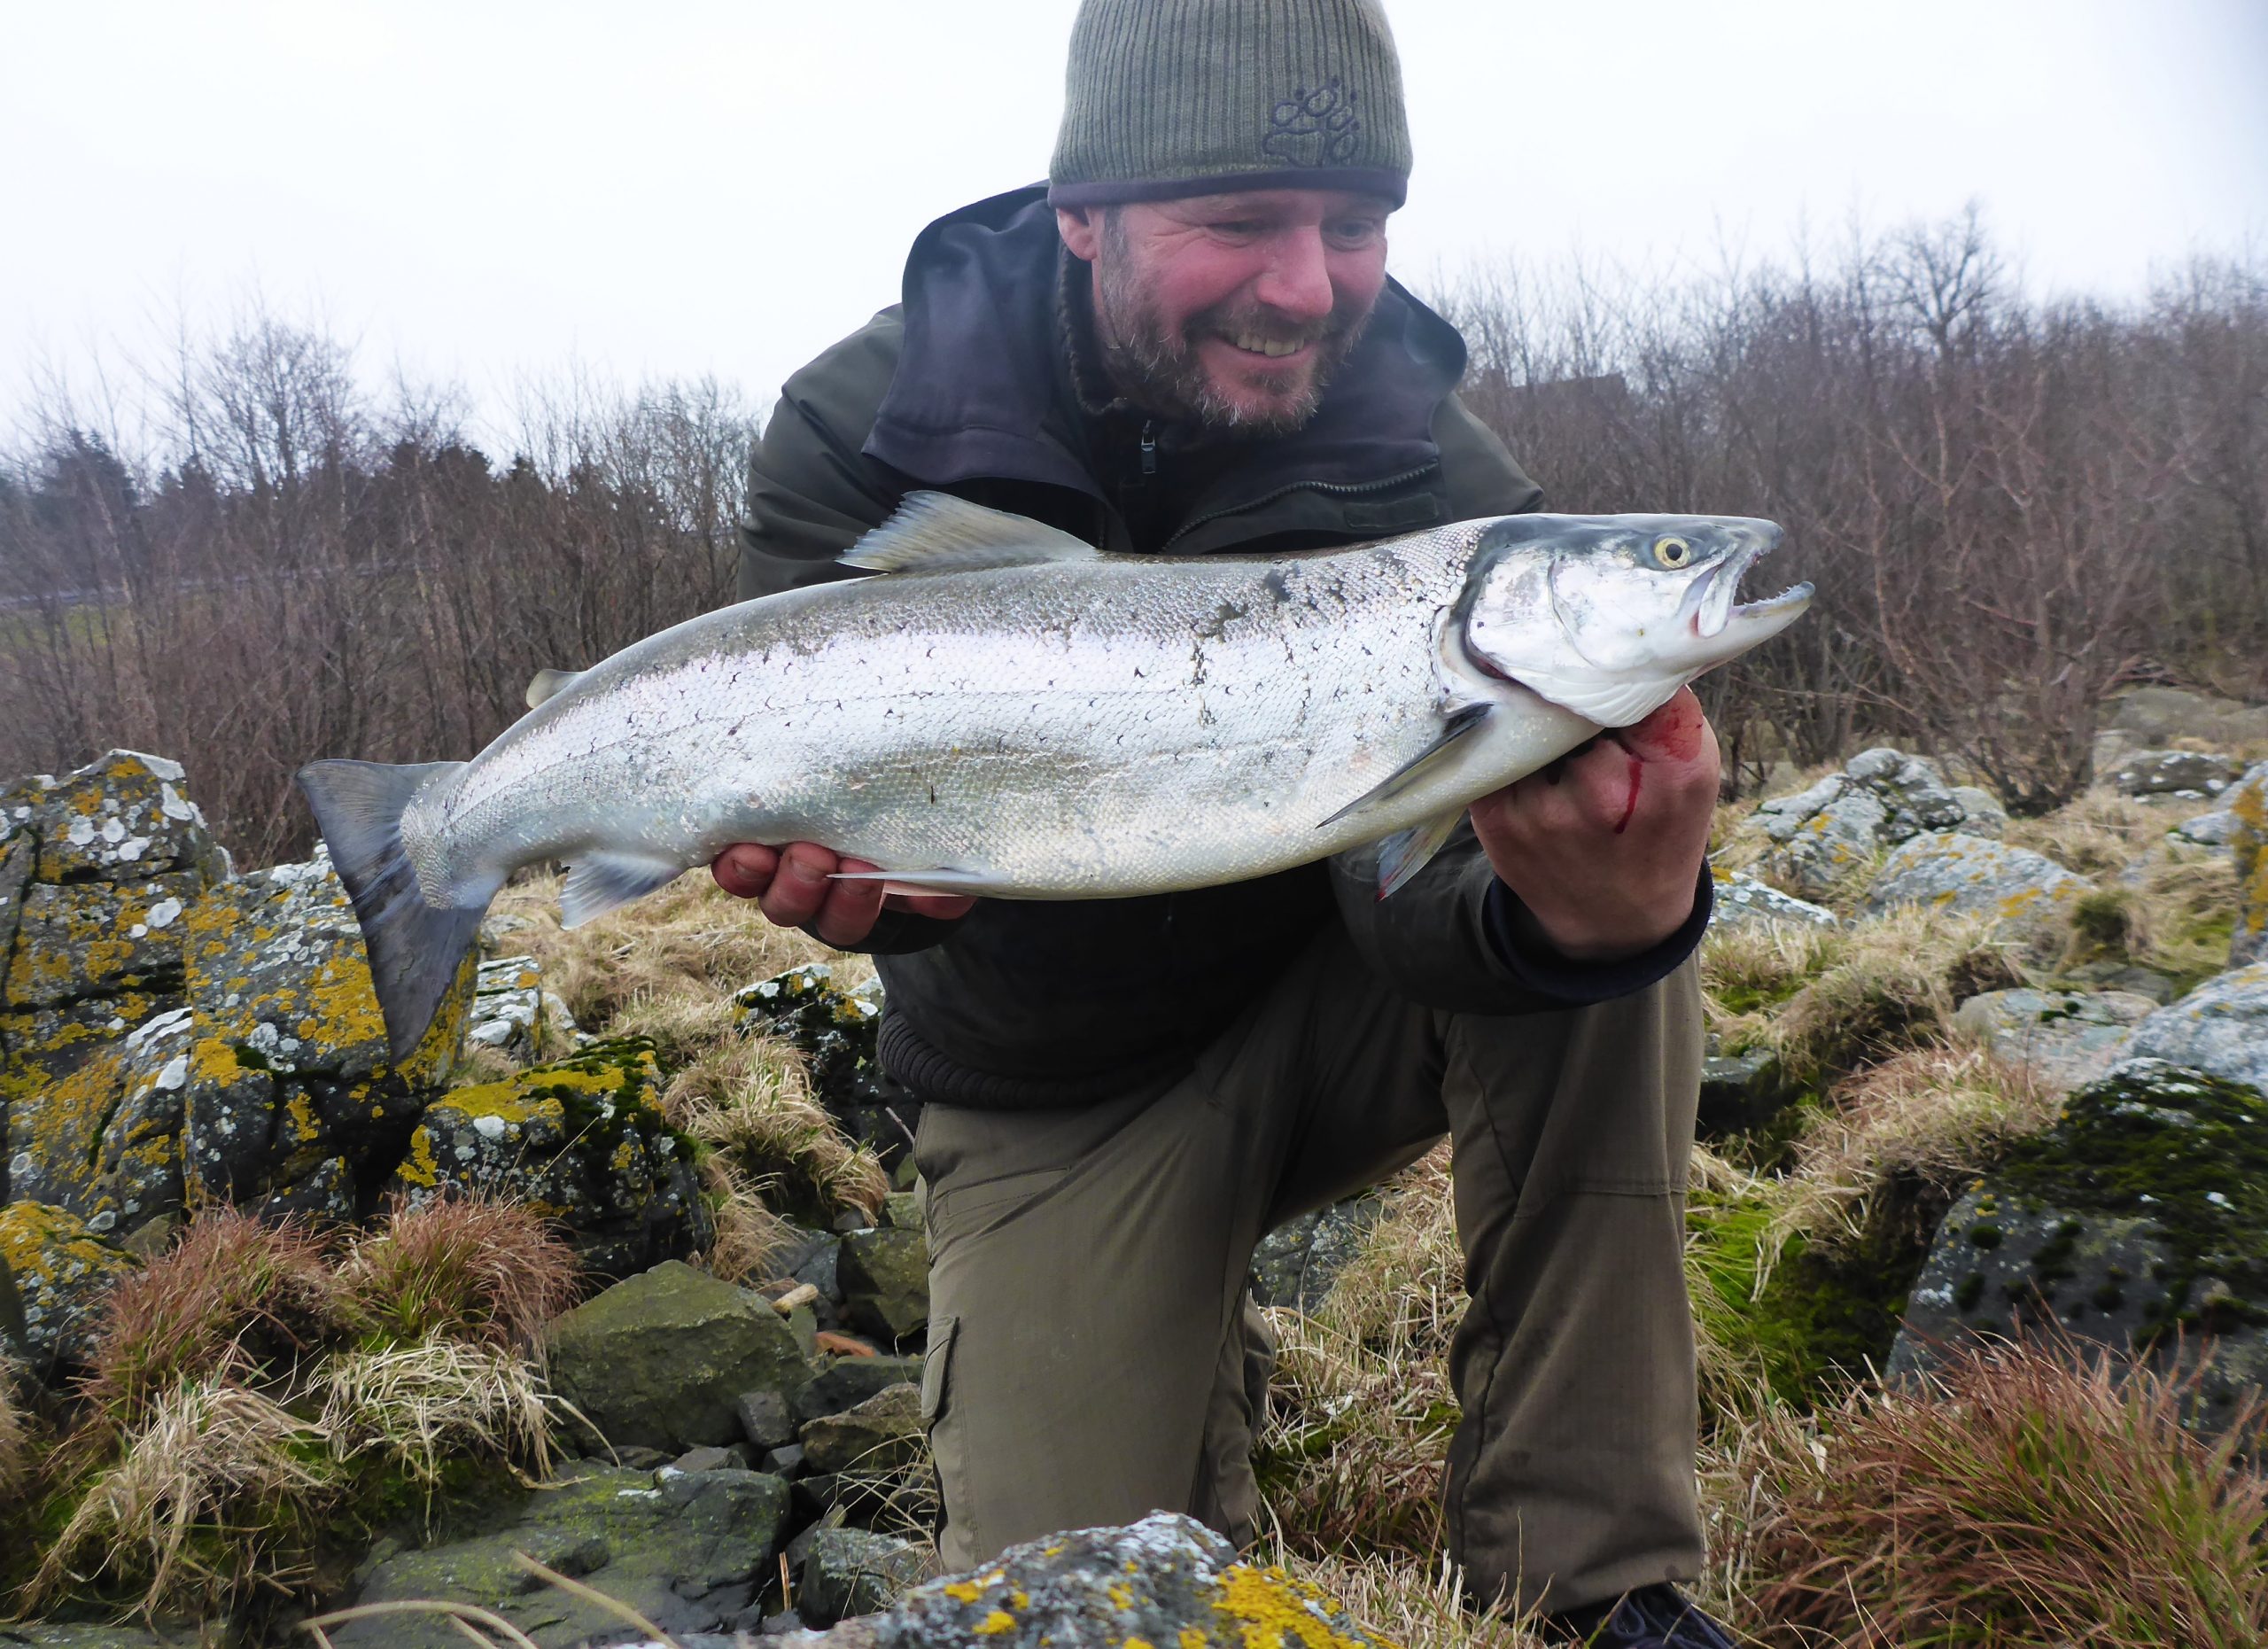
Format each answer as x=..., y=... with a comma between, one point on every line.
x=1405, y=853
x=600, y=881
x=1461, y=725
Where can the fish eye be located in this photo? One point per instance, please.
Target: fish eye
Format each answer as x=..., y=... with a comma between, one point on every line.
x=1673, y=552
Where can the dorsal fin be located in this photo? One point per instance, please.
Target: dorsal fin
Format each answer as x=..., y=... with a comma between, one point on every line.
x=938, y=532
x=550, y=684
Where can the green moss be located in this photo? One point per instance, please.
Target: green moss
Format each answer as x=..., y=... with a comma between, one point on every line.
x=2188, y=1152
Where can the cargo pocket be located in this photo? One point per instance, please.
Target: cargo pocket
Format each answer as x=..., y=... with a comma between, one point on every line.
x=936, y=1361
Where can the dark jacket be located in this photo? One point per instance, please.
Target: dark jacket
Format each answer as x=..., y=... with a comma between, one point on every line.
x=971, y=385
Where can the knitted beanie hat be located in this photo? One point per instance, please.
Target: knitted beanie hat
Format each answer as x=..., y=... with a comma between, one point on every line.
x=1173, y=97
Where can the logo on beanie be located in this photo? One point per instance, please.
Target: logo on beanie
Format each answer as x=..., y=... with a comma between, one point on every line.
x=1314, y=127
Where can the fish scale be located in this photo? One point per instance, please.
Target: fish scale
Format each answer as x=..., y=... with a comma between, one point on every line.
x=1003, y=711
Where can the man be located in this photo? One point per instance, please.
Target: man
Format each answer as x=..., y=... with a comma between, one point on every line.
x=1189, y=342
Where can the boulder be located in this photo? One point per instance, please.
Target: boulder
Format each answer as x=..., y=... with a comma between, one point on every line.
x=885, y=1278
x=2064, y=1039
x=689, y=1552
x=2173, y=774
x=513, y=1014
x=1826, y=836
x=2249, y=845
x=1741, y=901
x=2157, y=716
x=1740, y=1092
x=581, y=1141
x=1986, y=816
x=2140, y=1217
x=2218, y=828
x=848, y=1382
x=883, y=1434
x=854, y=1571
x=2220, y=1028
x=661, y=1359
x=62, y=1273
x=835, y=1028
x=1296, y=1263
x=2028, y=896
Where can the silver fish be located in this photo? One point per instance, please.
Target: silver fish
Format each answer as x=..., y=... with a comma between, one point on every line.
x=1003, y=710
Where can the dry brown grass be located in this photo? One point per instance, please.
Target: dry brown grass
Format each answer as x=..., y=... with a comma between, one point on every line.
x=212, y=1495
x=18, y=1446
x=749, y=1101
x=480, y=1271
x=1893, y=985
x=749, y=1234
x=2101, y=832
x=690, y=937
x=2016, y=1498
x=1749, y=969
x=1409, y=1602
x=232, y=1292
x=419, y=1407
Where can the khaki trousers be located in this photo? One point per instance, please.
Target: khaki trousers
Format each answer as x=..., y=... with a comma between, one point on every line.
x=1093, y=1356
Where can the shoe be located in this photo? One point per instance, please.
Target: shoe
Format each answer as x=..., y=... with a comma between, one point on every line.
x=1652, y=1617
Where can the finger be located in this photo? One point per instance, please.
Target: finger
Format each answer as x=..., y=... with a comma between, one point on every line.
x=744, y=869
x=848, y=914
x=800, y=886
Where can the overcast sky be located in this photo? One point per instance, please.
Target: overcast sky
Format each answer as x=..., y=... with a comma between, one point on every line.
x=490, y=189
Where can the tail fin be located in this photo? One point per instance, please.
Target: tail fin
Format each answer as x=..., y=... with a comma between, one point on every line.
x=415, y=949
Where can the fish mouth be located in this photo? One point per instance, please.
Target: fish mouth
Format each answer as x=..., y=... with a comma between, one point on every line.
x=1709, y=609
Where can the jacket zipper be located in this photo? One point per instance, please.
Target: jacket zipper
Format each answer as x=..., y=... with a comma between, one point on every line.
x=1149, y=449
x=1343, y=489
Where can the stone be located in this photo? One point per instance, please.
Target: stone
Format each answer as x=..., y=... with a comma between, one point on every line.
x=2155, y=773
x=2139, y=1218
x=1982, y=812
x=689, y=1553
x=881, y=1435
x=582, y=1141
x=1741, y=901
x=855, y=1571
x=848, y=1382
x=103, y=1142
x=902, y=1210
x=2027, y=896
x=2112, y=974
x=812, y=1256
x=786, y=1460
x=2220, y=1028
x=2160, y=715
x=835, y=1030
x=2216, y=829
x=62, y=1273
x=2248, y=846
x=1914, y=793
x=512, y=1013
x=1740, y=1092
x=885, y=1277
x=1296, y=1263
x=660, y=1360
x=2063, y=1039
x=766, y=1419
x=710, y=1457
x=1166, y=1581
x=1827, y=837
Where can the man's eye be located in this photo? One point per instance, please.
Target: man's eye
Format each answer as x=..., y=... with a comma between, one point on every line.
x=1355, y=231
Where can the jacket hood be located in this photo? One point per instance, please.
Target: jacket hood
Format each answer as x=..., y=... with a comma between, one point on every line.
x=982, y=389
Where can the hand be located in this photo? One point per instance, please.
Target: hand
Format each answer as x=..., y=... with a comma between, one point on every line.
x=1603, y=847
x=791, y=885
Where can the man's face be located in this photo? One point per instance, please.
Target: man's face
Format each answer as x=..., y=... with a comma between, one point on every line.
x=1232, y=309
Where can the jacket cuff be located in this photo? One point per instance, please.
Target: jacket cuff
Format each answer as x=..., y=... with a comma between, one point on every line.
x=1567, y=983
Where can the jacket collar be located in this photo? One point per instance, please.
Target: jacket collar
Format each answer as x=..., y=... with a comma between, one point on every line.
x=982, y=389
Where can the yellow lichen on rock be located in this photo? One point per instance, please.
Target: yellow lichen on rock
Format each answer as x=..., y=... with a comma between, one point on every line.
x=1272, y=1610
x=993, y=1625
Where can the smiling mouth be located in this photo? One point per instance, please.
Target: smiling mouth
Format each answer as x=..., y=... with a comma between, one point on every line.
x=1269, y=348
x=1709, y=602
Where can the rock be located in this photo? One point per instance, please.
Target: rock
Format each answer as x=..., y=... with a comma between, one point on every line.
x=582, y=1141
x=2159, y=715
x=2141, y=1214
x=2028, y=897
x=1740, y=1092
x=2248, y=843
x=2218, y=828
x=881, y=1435
x=766, y=1419
x=1828, y=835
x=812, y=1256
x=661, y=1360
x=2111, y=974
x=87, y=1635
x=711, y=1456
x=885, y=1277
x=851, y=1380
x=513, y=1013
x=62, y=1273
x=1296, y=1263
x=2063, y=1039
x=2154, y=773
x=1741, y=901
x=2220, y=1028
x=854, y=1571
x=688, y=1552
x=902, y=1209
x=1166, y=1581
x=835, y=1029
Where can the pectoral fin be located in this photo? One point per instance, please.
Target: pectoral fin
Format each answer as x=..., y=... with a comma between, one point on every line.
x=1461, y=725
x=1405, y=853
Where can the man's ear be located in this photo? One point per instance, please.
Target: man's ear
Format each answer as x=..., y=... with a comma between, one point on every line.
x=1081, y=227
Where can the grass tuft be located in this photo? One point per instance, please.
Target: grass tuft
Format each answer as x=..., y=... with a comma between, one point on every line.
x=484, y=1271
x=231, y=1293
x=2014, y=1497
x=1893, y=985
x=420, y=1406
x=749, y=1101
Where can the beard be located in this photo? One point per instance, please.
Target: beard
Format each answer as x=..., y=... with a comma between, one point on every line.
x=1158, y=367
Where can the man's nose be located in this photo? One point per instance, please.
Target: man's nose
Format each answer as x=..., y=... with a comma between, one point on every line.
x=1297, y=282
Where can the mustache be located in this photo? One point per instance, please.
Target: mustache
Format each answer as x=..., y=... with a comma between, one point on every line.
x=1272, y=325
